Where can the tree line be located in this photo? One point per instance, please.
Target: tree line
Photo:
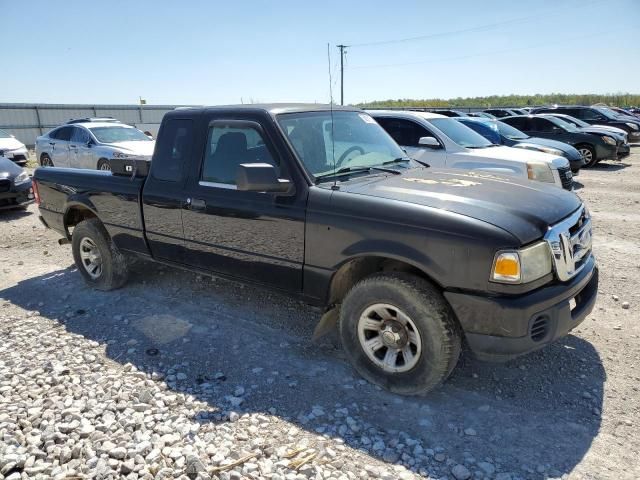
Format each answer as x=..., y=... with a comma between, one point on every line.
x=613, y=99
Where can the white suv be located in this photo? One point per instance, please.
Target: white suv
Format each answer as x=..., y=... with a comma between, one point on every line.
x=92, y=144
x=444, y=142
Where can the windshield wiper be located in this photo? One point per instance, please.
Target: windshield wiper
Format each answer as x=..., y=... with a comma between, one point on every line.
x=344, y=170
x=406, y=159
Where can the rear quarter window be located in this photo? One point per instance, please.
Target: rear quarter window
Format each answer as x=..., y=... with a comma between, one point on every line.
x=173, y=148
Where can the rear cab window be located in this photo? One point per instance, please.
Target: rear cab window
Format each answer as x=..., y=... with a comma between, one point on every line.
x=173, y=150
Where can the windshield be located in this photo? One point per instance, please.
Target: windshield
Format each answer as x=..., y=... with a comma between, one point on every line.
x=326, y=143
x=570, y=127
x=459, y=133
x=607, y=112
x=4, y=134
x=117, y=134
x=573, y=120
x=510, y=132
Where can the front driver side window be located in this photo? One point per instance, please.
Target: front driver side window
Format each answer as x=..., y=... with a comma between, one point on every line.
x=229, y=145
x=404, y=132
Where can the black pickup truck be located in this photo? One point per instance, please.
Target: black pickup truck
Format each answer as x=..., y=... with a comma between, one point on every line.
x=320, y=202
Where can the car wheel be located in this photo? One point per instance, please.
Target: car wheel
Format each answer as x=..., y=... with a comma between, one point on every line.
x=103, y=164
x=45, y=160
x=589, y=155
x=99, y=261
x=399, y=333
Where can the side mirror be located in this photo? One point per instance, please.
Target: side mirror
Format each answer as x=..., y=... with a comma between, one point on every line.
x=89, y=143
x=260, y=177
x=429, y=142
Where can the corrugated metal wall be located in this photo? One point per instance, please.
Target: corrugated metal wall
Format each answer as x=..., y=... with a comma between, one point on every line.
x=28, y=120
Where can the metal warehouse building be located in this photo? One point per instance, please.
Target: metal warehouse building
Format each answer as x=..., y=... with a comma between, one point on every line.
x=28, y=120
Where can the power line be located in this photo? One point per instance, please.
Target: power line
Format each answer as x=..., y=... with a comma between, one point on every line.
x=479, y=28
x=482, y=54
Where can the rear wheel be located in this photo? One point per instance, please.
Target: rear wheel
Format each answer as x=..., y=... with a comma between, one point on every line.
x=98, y=259
x=589, y=155
x=45, y=160
x=399, y=333
x=103, y=164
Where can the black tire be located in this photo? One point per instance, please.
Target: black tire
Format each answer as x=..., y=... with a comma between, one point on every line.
x=439, y=331
x=103, y=164
x=45, y=160
x=589, y=154
x=114, y=271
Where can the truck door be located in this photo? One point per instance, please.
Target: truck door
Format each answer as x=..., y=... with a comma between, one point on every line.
x=163, y=194
x=407, y=133
x=257, y=236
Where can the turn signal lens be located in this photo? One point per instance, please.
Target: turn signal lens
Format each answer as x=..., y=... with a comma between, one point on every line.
x=506, y=267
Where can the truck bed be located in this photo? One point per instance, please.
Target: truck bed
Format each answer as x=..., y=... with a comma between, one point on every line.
x=115, y=199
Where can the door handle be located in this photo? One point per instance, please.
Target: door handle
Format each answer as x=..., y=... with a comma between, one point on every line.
x=73, y=146
x=52, y=143
x=196, y=204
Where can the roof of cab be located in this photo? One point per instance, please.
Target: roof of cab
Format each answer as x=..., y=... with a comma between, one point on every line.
x=274, y=108
x=405, y=113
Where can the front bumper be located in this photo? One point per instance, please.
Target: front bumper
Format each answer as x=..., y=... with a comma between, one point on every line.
x=19, y=155
x=17, y=196
x=498, y=328
x=624, y=150
x=606, y=152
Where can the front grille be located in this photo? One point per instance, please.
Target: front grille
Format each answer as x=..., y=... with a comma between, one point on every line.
x=539, y=328
x=566, y=178
x=5, y=185
x=570, y=242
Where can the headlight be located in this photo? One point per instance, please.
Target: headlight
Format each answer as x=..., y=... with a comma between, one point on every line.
x=540, y=171
x=21, y=178
x=633, y=126
x=522, y=266
x=609, y=140
x=121, y=155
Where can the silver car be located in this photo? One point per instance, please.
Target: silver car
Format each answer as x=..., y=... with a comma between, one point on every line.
x=92, y=145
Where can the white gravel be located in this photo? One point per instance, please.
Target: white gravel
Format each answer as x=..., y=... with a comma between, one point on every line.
x=182, y=376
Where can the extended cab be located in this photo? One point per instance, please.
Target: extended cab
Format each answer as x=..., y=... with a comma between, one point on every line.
x=321, y=203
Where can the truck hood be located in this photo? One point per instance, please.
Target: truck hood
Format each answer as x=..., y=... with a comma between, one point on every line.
x=516, y=154
x=134, y=148
x=10, y=144
x=523, y=208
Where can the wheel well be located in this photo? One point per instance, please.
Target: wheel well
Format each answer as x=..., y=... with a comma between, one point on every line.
x=75, y=215
x=584, y=145
x=355, y=270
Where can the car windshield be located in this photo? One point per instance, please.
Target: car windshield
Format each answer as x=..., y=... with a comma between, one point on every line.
x=4, y=134
x=510, y=132
x=607, y=112
x=327, y=142
x=570, y=127
x=117, y=134
x=573, y=120
x=459, y=133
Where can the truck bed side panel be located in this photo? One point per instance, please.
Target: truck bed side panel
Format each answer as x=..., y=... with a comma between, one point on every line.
x=113, y=199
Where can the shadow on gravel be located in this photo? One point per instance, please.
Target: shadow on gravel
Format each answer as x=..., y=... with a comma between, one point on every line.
x=609, y=167
x=210, y=337
x=14, y=214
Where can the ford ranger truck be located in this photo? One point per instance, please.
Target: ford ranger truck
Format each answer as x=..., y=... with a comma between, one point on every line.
x=320, y=203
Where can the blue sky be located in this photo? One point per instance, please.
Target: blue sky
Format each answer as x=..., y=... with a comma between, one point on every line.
x=210, y=52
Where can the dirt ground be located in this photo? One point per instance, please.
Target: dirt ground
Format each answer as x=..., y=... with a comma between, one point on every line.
x=571, y=410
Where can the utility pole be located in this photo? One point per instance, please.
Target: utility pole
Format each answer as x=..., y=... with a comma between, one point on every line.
x=343, y=51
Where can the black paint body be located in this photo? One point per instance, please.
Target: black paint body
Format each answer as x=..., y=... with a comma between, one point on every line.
x=447, y=224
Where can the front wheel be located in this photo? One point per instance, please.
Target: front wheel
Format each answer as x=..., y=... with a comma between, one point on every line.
x=589, y=155
x=45, y=160
x=104, y=165
x=399, y=333
x=99, y=261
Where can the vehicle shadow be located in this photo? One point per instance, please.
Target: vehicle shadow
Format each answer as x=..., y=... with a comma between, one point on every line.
x=577, y=185
x=14, y=213
x=540, y=412
x=608, y=166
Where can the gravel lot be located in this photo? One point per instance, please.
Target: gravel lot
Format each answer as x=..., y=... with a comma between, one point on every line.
x=182, y=376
